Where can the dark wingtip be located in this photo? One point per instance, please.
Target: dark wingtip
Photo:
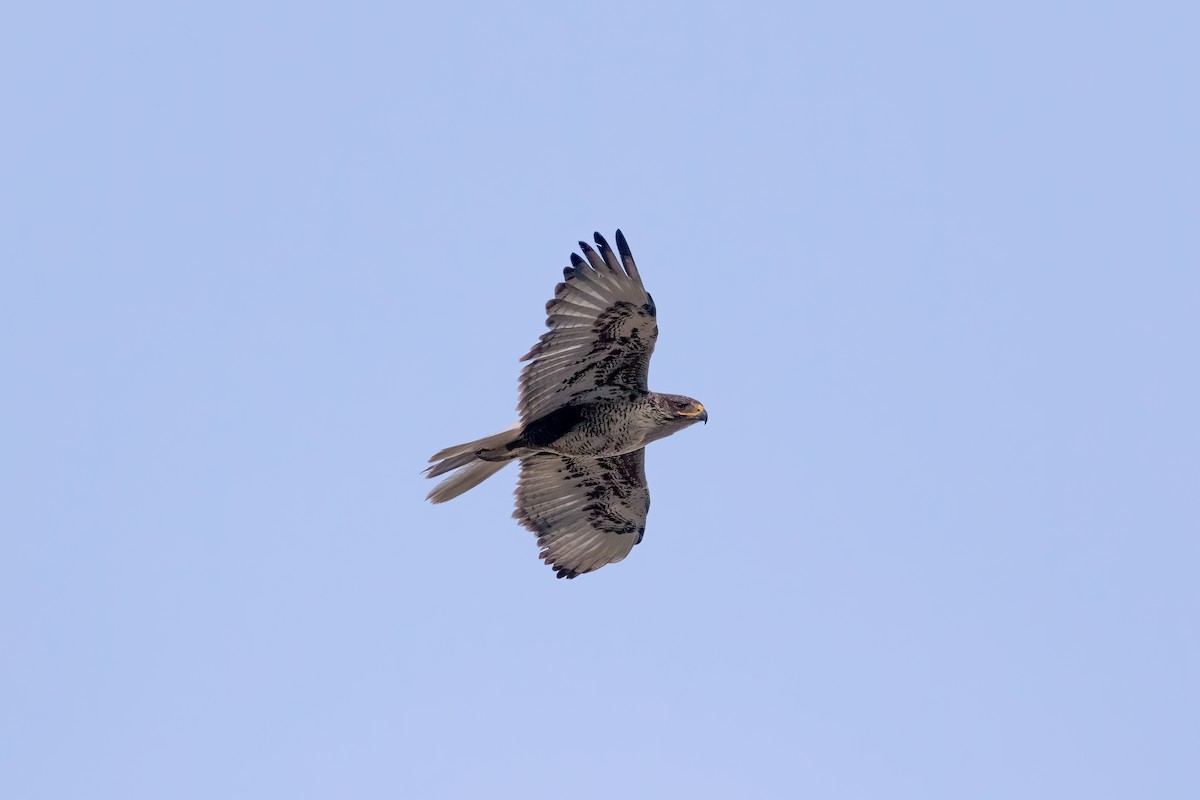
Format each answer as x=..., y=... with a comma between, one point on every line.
x=600, y=240
x=569, y=272
x=622, y=245
x=560, y=572
x=576, y=260
x=584, y=246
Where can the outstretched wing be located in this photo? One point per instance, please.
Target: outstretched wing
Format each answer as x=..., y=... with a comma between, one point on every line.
x=586, y=512
x=602, y=331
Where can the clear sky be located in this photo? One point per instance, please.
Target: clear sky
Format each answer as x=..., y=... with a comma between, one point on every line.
x=933, y=268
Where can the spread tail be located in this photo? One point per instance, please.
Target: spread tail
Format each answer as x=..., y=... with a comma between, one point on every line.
x=473, y=470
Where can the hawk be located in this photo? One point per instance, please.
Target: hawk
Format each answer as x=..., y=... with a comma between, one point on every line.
x=586, y=418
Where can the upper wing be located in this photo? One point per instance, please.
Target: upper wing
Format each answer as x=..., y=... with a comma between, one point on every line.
x=586, y=512
x=602, y=331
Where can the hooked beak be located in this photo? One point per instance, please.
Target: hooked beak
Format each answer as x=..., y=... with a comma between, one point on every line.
x=699, y=413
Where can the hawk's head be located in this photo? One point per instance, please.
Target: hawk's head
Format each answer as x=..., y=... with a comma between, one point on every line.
x=678, y=411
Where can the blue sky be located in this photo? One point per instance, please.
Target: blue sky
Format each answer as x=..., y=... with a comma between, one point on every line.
x=934, y=271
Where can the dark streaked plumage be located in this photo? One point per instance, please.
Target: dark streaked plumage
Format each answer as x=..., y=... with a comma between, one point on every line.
x=586, y=416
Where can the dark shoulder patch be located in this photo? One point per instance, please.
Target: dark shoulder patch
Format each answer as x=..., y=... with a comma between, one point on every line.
x=545, y=430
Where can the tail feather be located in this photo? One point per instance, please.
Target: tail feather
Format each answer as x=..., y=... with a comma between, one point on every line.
x=474, y=470
x=468, y=478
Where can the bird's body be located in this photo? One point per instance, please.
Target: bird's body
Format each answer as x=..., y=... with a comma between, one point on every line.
x=590, y=429
x=586, y=417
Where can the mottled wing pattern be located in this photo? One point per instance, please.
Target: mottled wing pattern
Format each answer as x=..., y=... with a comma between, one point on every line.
x=586, y=512
x=602, y=331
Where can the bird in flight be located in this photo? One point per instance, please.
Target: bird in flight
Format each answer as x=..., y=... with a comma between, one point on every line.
x=587, y=415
